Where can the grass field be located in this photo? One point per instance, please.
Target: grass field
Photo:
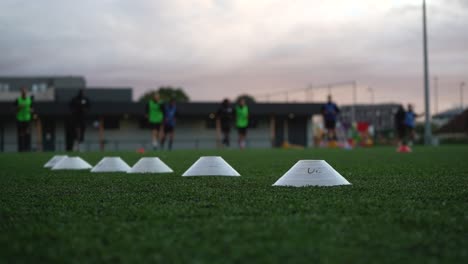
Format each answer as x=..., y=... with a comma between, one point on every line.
x=410, y=208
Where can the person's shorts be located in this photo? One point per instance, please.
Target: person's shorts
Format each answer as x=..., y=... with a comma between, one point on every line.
x=78, y=121
x=23, y=126
x=154, y=126
x=168, y=129
x=242, y=131
x=330, y=124
x=409, y=129
x=225, y=129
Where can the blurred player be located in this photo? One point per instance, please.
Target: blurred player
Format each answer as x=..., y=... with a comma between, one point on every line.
x=330, y=112
x=170, y=112
x=400, y=128
x=79, y=106
x=242, y=121
x=224, y=120
x=155, y=117
x=24, y=113
x=410, y=123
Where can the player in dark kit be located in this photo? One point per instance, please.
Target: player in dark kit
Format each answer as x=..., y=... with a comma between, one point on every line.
x=170, y=113
x=155, y=117
x=400, y=126
x=330, y=112
x=410, y=123
x=24, y=114
x=79, y=106
x=224, y=119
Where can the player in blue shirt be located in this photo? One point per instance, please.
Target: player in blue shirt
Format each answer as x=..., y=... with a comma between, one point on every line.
x=410, y=123
x=170, y=112
x=330, y=112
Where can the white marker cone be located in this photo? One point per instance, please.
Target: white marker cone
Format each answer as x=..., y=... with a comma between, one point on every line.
x=111, y=164
x=311, y=173
x=211, y=166
x=150, y=165
x=54, y=160
x=72, y=163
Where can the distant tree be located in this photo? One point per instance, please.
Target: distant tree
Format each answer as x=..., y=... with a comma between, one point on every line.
x=248, y=98
x=167, y=93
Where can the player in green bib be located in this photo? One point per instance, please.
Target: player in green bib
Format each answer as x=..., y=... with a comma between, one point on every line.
x=242, y=121
x=155, y=117
x=23, y=120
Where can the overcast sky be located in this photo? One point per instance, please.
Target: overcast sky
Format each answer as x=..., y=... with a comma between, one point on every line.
x=219, y=48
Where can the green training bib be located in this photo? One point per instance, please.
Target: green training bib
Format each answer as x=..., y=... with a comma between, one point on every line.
x=155, y=112
x=24, y=113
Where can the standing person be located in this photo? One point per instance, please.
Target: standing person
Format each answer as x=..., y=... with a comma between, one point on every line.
x=330, y=112
x=79, y=106
x=400, y=127
x=170, y=113
x=155, y=117
x=242, y=121
x=24, y=113
x=410, y=123
x=224, y=120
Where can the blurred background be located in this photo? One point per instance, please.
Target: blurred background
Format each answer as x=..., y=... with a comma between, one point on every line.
x=284, y=57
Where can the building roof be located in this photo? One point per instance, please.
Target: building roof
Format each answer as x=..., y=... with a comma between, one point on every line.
x=97, y=94
x=451, y=113
x=16, y=82
x=458, y=124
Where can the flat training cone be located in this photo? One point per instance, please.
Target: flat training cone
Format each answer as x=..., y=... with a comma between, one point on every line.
x=54, y=160
x=72, y=163
x=311, y=173
x=211, y=166
x=111, y=164
x=150, y=165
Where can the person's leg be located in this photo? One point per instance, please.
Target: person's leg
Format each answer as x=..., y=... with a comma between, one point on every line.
x=81, y=128
x=19, y=132
x=224, y=141
x=27, y=136
x=239, y=137
x=225, y=132
x=76, y=137
x=163, y=138
x=333, y=129
x=171, y=139
x=401, y=136
x=155, y=138
x=228, y=138
x=329, y=128
x=242, y=137
x=410, y=136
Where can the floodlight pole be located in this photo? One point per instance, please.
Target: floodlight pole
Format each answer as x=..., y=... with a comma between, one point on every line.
x=427, y=126
x=353, y=109
x=436, y=95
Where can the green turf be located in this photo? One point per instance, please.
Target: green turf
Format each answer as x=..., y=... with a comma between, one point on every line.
x=410, y=208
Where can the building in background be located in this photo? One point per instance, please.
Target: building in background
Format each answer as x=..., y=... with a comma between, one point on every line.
x=456, y=130
x=42, y=88
x=115, y=122
x=445, y=117
x=380, y=116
